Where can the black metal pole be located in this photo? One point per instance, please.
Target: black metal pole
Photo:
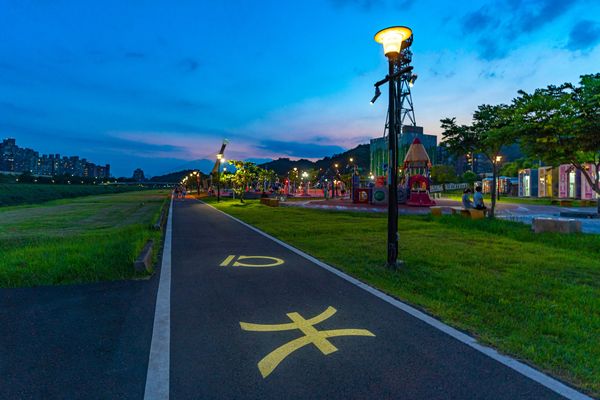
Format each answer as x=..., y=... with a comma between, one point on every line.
x=198, y=183
x=392, y=256
x=219, y=181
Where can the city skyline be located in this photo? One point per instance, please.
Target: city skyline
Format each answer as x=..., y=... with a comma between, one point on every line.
x=156, y=87
x=17, y=159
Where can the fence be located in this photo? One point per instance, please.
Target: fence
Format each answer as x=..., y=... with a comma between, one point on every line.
x=447, y=186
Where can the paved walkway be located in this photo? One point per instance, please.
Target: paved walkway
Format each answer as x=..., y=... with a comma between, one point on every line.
x=252, y=319
x=241, y=316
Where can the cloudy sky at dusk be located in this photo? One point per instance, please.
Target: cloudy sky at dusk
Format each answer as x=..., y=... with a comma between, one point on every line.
x=156, y=85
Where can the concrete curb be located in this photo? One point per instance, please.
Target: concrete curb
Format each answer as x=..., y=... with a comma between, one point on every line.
x=144, y=260
x=160, y=223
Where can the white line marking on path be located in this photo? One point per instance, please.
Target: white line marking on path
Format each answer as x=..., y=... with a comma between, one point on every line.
x=157, y=378
x=523, y=369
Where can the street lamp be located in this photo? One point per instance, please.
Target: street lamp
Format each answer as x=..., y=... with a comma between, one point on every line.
x=498, y=160
x=333, y=191
x=304, y=176
x=391, y=39
x=219, y=160
x=197, y=182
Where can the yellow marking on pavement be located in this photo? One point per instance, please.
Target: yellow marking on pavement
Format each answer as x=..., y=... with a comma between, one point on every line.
x=274, y=261
x=311, y=335
x=227, y=261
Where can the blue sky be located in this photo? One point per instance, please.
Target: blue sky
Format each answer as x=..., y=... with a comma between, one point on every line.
x=157, y=85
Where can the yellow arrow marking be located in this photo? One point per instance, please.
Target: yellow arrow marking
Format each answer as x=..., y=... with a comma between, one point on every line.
x=276, y=261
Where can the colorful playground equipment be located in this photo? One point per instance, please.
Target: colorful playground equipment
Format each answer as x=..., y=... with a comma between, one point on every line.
x=416, y=168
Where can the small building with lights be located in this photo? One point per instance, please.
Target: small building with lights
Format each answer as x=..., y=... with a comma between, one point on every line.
x=569, y=182
x=587, y=192
x=528, y=182
x=547, y=182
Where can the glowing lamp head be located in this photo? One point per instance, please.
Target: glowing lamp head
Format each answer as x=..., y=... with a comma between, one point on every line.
x=392, y=38
x=219, y=156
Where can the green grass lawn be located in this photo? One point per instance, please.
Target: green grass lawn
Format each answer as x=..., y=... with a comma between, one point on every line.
x=13, y=194
x=535, y=297
x=79, y=240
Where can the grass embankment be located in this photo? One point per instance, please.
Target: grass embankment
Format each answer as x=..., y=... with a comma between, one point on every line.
x=536, y=297
x=80, y=240
x=13, y=194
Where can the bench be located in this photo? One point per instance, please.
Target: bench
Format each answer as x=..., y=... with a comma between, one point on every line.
x=456, y=210
x=556, y=225
x=437, y=211
x=562, y=202
x=269, y=202
x=473, y=213
x=469, y=212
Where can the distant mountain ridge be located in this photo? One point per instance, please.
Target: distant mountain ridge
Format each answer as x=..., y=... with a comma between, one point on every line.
x=175, y=176
x=361, y=156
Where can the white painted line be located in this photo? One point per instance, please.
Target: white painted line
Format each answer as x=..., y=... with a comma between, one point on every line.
x=523, y=369
x=157, y=378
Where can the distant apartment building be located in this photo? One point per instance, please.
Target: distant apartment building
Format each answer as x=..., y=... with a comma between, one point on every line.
x=16, y=159
x=138, y=175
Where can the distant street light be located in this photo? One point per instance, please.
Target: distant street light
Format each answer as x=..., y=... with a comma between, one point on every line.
x=197, y=175
x=219, y=160
x=391, y=39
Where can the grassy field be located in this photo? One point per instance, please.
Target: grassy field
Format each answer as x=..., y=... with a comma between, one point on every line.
x=80, y=240
x=12, y=194
x=535, y=297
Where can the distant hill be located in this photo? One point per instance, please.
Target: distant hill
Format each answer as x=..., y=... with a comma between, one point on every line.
x=360, y=154
x=175, y=176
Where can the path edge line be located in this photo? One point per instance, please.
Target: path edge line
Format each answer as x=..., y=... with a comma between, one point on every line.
x=157, y=376
x=524, y=369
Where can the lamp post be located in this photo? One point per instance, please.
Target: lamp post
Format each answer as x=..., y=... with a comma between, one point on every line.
x=391, y=39
x=335, y=181
x=219, y=160
x=197, y=175
x=498, y=160
x=305, y=184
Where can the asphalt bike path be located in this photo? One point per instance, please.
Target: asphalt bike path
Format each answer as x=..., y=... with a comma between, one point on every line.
x=251, y=319
x=86, y=341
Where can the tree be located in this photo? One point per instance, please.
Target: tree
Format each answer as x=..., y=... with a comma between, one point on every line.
x=443, y=174
x=512, y=168
x=490, y=131
x=561, y=125
x=266, y=177
x=469, y=177
x=246, y=173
